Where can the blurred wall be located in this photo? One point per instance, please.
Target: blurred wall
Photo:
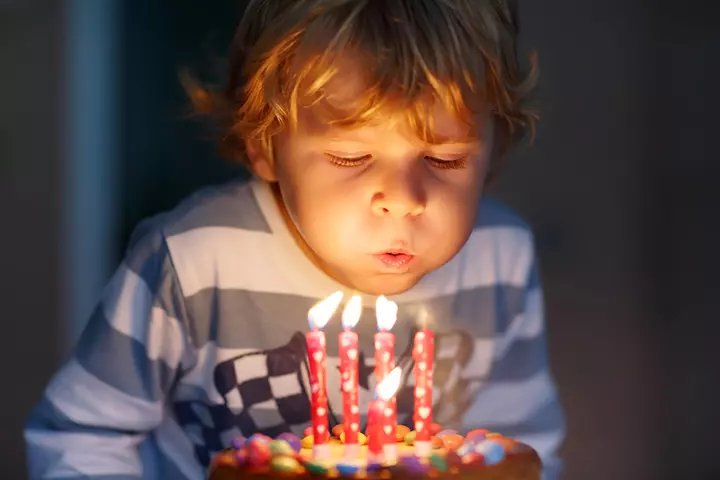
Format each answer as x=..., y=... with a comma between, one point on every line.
x=682, y=165
x=582, y=186
x=31, y=86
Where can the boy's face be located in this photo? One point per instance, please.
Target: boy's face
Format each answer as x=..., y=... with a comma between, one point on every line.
x=375, y=207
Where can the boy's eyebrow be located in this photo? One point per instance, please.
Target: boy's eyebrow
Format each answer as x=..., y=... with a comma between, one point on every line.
x=439, y=140
x=353, y=136
x=360, y=135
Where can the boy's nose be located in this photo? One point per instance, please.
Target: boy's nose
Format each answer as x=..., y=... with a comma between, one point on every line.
x=399, y=198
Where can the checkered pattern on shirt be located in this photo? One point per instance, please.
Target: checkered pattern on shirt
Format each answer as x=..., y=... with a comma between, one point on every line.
x=263, y=391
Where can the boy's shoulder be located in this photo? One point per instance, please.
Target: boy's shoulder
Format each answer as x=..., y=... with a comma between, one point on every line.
x=231, y=205
x=500, y=236
x=495, y=214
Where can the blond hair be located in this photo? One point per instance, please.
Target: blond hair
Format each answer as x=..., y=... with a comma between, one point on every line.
x=462, y=53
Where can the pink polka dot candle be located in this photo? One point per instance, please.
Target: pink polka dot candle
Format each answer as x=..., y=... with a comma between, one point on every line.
x=348, y=350
x=381, y=424
x=318, y=317
x=386, y=312
x=423, y=356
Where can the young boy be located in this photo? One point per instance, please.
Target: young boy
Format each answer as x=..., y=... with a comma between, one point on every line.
x=371, y=128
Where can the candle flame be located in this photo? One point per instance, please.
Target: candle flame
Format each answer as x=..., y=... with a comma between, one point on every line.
x=320, y=314
x=352, y=312
x=389, y=386
x=386, y=312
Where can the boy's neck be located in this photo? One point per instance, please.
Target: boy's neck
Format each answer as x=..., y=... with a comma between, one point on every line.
x=298, y=238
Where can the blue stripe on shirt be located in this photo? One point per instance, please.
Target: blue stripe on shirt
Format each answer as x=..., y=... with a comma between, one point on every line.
x=121, y=361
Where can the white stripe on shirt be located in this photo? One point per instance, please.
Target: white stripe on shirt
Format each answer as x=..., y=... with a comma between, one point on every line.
x=499, y=256
x=87, y=399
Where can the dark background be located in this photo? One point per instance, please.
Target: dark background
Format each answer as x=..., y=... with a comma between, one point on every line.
x=621, y=186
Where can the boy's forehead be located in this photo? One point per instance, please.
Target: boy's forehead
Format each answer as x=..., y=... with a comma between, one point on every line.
x=347, y=89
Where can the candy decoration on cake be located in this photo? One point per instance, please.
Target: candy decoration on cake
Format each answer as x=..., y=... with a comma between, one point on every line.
x=265, y=457
x=318, y=317
x=386, y=312
x=423, y=355
x=349, y=379
x=492, y=451
x=381, y=427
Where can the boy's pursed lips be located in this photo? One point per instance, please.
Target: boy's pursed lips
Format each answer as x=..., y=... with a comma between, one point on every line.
x=397, y=259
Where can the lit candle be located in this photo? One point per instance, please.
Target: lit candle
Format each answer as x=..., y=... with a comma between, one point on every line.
x=381, y=429
x=423, y=355
x=348, y=341
x=386, y=312
x=318, y=316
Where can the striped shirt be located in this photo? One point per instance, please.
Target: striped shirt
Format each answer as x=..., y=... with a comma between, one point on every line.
x=199, y=338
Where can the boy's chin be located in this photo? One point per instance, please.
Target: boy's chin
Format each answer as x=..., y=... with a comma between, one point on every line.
x=386, y=284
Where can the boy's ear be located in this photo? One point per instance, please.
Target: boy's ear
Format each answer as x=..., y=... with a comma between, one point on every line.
x=262, y=165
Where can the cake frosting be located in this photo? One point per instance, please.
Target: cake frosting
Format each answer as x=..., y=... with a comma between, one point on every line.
x=478, y=455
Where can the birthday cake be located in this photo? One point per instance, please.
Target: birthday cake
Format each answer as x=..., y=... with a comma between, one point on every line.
x=479, y=455
x=386, y=449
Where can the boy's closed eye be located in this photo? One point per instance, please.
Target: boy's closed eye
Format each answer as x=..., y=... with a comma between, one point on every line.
x=456, y=163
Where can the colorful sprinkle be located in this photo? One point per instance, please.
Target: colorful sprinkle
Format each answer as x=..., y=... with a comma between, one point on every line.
x=401, y=432
x=476, y=436
x=438, y=461
x=347, y=470
x=238, y=443
x=258, y=452
x=338, y=430
x=291, y=439
x=362, y=439
x=435, y=428
x=477, y=431
x=308, y=431
x=316, y=468
x=308, y=441
x=436, y=442
x=444, y=433
x=465, y=448
x=493, y=452
x=281, y=447
x=374, y=467
x=285, y=464
x=452, y=441
x=413, y=465
x=410, y=438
